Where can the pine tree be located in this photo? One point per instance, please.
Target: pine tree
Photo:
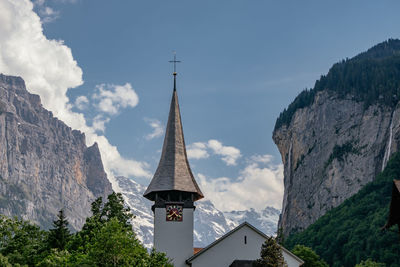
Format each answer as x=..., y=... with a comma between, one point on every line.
x=271, y=255
x=60, y=234
x=115, y=208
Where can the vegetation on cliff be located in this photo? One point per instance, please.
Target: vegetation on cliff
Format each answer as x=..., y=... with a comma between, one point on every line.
x=106, y=239
x=351, y=232
x=371, y=77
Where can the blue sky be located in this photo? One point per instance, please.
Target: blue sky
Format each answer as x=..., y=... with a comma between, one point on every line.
x=243, y=62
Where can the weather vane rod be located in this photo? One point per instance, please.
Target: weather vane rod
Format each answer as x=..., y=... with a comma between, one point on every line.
x=174, y=61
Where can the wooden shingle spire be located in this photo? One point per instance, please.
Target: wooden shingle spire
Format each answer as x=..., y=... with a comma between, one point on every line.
x=173, y=172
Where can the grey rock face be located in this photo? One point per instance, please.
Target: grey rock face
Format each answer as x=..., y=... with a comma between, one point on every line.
x=44, y=164
x=330, y=150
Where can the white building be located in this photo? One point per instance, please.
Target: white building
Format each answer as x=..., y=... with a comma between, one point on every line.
x=237, y=248
x=174, y=191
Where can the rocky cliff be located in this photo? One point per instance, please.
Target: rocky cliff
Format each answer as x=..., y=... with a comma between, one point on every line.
x=44, y=164
x=338, y=136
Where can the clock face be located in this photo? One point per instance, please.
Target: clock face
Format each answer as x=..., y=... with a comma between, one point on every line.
x=174, y=213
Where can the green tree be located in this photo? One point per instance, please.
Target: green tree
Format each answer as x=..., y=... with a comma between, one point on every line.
x=370, y=263
x=60, y=234
x=271, y=254
x=101, y=213
x=64, y=258
x=115, y=245
x=107, y=239
x=310, y=258
x=4, y=261
x=115, y=208
x=20, y=241
x=55, y=258
x=158, y=259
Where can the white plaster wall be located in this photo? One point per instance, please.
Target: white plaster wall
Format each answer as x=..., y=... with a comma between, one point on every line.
x=233, y=248
x=174, y=238
x=291, y=262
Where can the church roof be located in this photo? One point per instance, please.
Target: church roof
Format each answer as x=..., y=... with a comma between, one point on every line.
x=173, y=172
x=222, y=238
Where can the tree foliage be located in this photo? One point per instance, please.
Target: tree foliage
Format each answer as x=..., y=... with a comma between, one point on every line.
x=310, y=258
x=115, y=245
x=271, y=254
x=106, y=239
x=370, y=77
x=351, y=232
x=59, y=236
x=20, y=241
x=370, y=263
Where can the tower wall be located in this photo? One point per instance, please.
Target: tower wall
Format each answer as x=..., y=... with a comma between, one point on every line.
x=173, y=237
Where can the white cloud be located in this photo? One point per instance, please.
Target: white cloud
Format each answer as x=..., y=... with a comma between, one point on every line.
x=229, y=153
x=39, y=2
x=42, y=2
x=49, y=69
x=197, y=150
x=81, y=102
x=46, y=13
x=99, y=122
x=111, y=98
x=158, y=128
x=262, y=158
x=258, y=185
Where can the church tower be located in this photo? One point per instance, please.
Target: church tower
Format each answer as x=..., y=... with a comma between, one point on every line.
x=174, y=191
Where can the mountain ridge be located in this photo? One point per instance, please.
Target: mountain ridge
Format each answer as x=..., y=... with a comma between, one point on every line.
x=337, y=137
x=45, y=166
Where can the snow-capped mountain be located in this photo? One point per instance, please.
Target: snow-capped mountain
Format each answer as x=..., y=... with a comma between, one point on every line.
x=266, y=220
x=209, y=222
x=141, y=208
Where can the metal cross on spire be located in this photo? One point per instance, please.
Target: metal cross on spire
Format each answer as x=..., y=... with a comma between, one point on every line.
x=174, y=61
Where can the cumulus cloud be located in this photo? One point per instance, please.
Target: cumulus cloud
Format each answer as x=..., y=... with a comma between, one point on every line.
x=81, y=102
x=199, y=150
x=49, y=69
x=262, y=158
x=229, y=153
x=158, y=128
x=111, y=98
x=259, y=185
x=47, y=13
x=99, y=122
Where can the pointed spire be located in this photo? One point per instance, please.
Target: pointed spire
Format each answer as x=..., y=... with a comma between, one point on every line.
x=173, y=172
x=174, y=81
